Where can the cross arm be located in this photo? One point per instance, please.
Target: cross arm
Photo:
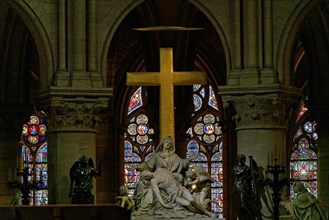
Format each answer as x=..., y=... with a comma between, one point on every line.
x=143, y=79
x=189, y=78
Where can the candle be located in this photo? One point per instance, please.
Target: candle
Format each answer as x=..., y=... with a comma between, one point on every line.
x=275, y=155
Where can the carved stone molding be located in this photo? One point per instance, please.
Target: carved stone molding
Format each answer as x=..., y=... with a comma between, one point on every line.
x=74, y=110
x=77, y=115
x=261, y=110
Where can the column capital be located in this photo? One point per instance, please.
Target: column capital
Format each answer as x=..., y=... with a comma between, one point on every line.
x=77, y=110
x=266, y=107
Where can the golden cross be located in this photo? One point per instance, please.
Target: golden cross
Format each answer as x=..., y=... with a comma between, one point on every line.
x=166, y=79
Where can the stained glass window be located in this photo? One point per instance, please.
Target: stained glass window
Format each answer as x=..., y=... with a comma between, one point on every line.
x=138, y=143
x=34, y=155
x=303, y=153
x=206, y=139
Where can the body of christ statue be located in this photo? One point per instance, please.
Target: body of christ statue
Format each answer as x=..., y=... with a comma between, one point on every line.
x=154, y=196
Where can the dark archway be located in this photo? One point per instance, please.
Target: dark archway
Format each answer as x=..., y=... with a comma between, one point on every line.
x=135, y=51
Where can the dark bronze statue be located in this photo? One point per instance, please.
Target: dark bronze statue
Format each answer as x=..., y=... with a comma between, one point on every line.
x=245, y=188
x=81, y=175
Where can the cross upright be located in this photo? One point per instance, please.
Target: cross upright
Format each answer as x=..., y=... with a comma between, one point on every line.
x=166, y=79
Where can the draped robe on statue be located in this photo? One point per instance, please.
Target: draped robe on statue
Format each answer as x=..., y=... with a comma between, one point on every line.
x=305, y=206
x=163, y=157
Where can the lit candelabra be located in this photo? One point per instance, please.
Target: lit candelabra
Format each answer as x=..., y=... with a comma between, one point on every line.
x=26, y=185
x=276, y=185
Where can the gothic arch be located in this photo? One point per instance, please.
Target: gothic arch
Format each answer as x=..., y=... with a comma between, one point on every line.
x=112, y=29
x=286, y=41
x=40, y=38
x=220, y=31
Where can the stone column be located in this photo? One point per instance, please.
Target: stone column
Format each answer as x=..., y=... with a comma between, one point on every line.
x=77, y=52
x=251, y=68
x=261, y=126
x=95, y=76
x=72, y=126
x=251, y=34
x=268, y=73
x=62, y=75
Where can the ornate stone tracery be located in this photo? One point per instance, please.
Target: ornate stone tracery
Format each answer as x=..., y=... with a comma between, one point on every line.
x=253, y=111
x=79, y=114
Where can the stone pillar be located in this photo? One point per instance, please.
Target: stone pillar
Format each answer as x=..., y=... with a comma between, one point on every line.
x=268, y=73
x=261, y=126
x=251, y=34
x=72, y=124
x=264, y=118
x=250, y=73
x=62, y=75
x=95, y=77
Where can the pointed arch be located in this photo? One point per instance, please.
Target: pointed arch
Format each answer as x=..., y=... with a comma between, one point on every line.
x=40, y=38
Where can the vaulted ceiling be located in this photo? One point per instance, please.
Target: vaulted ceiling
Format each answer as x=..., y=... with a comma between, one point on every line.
x=133, y=50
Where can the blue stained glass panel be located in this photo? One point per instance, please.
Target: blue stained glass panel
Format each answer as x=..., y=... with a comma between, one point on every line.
x=212, y=99
x=197, y=101
x=42, y=154
x=192, y=147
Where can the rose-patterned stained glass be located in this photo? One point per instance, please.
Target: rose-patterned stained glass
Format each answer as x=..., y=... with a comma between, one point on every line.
x=206, y=139
x=139, y=130
x=303, y=153
x=34, y=131
x=138, y=142
x=207, y=129
x=34, y=154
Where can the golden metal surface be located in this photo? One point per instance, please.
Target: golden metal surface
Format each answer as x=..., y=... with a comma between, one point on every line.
x=166, y=79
